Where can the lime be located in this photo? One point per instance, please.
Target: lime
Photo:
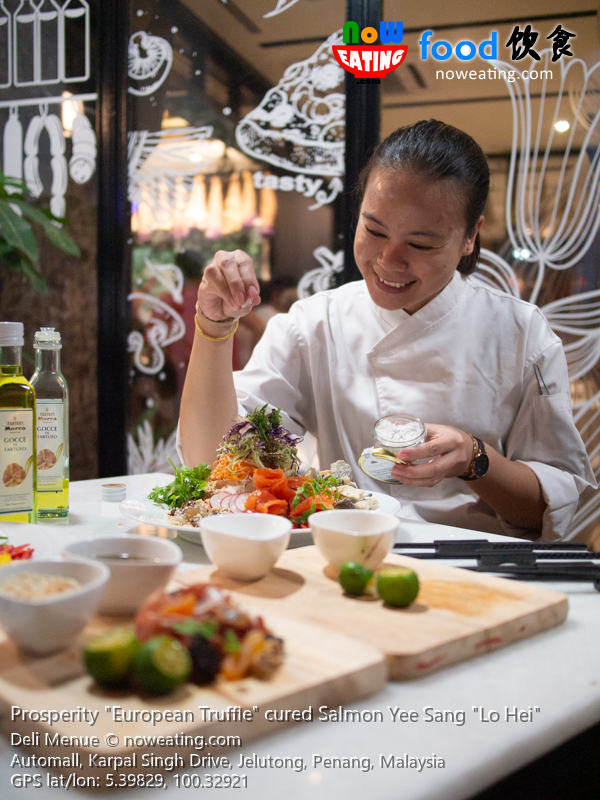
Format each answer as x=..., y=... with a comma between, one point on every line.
x=109, y=656
x=161, y=665
x=397, y=586
x=354, y=578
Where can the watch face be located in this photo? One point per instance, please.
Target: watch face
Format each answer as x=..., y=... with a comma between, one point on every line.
x=480, y=467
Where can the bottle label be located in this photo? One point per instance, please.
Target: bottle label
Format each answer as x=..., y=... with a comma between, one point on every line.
x=16, y=460
x=50, y=445
x=378, y=468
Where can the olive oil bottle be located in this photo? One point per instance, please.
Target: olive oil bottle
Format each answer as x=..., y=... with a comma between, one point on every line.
x=52, y=426
x=18, y=471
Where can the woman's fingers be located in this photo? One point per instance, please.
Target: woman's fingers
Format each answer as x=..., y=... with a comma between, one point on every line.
x=238, y=271
x=428, y=474
x=448, y=452
x=229, y=287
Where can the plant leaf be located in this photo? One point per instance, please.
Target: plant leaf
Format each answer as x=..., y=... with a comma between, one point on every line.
x=58, y=236
x=17, y=231
x=15, y=259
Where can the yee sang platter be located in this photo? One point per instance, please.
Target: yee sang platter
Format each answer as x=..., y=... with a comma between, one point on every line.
x=257, y=470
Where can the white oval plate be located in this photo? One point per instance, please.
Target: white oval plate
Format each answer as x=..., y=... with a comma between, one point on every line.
x=142, y=509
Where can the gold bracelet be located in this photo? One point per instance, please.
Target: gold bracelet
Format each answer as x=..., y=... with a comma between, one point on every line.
x=226, y=321
x=216, y=338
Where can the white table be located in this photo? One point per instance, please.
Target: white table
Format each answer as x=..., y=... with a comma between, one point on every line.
x=557, y=671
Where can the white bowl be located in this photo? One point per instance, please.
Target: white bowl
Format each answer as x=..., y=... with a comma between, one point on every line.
x=152, y=563
x=50, y=624
x=365, y=537
x=245, y=546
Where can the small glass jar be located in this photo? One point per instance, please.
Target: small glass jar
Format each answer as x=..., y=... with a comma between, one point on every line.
x=391, y=434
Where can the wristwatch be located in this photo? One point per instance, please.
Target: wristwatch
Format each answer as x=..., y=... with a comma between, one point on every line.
x=479, y=463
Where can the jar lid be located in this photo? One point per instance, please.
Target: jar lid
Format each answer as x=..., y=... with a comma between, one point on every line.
x=11, y=334
x=114, y=492
x=47, y=339
x=398, y=431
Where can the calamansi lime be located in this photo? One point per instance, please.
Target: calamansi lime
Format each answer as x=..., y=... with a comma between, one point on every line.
x=161, y=665
x=109, y=656
x=354, y=578
x=397, y=586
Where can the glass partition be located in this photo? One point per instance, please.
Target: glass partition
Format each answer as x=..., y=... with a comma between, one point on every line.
x=236, y=140
x=48, y=94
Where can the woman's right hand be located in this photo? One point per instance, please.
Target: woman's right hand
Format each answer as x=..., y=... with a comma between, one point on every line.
x=229, y=287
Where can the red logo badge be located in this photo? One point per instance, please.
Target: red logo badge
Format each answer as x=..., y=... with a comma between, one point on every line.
x=369, y=61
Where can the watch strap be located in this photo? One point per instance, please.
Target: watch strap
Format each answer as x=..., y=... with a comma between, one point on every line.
x=478, y=451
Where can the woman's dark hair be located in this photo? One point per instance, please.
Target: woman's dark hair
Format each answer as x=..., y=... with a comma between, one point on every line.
x=434, y=150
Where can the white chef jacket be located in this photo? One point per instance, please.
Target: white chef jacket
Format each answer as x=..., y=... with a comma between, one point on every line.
x=337, y=362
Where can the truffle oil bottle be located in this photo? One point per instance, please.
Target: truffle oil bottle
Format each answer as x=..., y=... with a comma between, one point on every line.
x=17, y=431
x=52, y=426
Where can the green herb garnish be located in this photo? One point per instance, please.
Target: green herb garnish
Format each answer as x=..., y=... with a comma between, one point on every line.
x=260, y=440
x=190, y=627
x=232, y=643
x=327, y=485
x=189, y=484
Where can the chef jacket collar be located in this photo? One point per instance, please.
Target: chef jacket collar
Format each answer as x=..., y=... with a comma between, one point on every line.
x=430, y=313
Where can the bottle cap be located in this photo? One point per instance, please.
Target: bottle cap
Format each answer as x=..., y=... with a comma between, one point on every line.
x=47, y=339
x=114, y=492
x=11, y=334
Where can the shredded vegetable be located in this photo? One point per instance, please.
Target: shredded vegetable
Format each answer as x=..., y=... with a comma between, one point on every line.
x=261, y=441
x=224, y=470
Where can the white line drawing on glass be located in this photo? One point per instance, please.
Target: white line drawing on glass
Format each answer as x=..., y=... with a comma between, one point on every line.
x=162, y=326
x=555, y=227
x=171, y=277
x=25, y=50
x=82, y=163
x=22, y=102
x=40, y=37
x=52, y=124
x=316, y=188
x=21, y=158
x=325, y=196
x=12, y=148
x=323, y=277
x=557, y=235
x=157, y=159
x=5, y=47
x=75, y=27
x=144, y=456
x=300, y=123
x=282, y=5
x=493, y=271
x=150, y=59
x=48, y=44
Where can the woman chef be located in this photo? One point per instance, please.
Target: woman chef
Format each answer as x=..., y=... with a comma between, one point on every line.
x=416, y=336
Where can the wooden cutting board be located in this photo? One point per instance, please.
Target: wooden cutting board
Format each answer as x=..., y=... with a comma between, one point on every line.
x=458, y=614
x=320, y=668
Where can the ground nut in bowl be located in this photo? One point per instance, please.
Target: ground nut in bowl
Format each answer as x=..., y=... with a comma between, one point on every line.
x=44, y=625
x=365, y=537
x=138, y=566
x=245, y=546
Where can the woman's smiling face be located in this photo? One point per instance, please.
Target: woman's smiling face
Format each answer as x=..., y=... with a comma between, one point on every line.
x=410, y=237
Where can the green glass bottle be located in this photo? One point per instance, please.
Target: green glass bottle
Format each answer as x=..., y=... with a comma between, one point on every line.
x=18, y=468
x=52, y=426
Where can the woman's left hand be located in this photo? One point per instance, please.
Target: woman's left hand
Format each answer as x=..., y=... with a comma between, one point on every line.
x=450, y=451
